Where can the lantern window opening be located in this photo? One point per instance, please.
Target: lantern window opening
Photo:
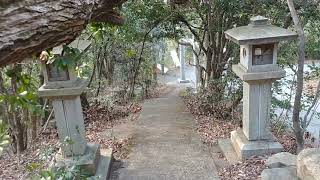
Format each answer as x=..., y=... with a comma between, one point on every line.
x=262, y=54
x=57, y=74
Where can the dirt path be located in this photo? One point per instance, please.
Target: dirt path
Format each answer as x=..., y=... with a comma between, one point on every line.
x=165, y=145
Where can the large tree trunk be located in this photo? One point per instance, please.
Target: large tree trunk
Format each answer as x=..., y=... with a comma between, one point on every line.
x=28, y=27
x=297, y=100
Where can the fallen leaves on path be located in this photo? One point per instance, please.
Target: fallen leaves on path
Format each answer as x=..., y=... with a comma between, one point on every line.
x=160, y=90
x=211, y=129
x=247, y=170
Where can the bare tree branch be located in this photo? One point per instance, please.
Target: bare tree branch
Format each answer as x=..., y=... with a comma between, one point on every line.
x=298, y=95
x=306, y=122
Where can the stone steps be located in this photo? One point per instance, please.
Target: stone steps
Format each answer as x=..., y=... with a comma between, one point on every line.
x=280, y=166
x=286, y=173
x=147, y=175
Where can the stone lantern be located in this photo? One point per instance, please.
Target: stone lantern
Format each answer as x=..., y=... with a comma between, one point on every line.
x=57, y=77
x=63, y=88
x=257, y=69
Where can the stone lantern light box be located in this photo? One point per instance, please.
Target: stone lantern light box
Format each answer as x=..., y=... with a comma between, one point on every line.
x=58, y=77
x=257, y=69
x=259, y=43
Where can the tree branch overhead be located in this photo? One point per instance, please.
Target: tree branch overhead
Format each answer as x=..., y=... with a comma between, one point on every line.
x=28, y=27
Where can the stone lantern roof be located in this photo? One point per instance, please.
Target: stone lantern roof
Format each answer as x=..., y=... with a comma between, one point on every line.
x=259, y=31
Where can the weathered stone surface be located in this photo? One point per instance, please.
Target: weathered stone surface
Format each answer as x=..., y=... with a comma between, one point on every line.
x=282, y=159
x=75, y=89
x=256, y=111
x=245, y=148
x=308, y=164
x=70, y=125
x=104, y=166
x=288, y=173
x=254, y=76
x=228, y=150
x=88, y=161
x=96, y=161
x=259, y=33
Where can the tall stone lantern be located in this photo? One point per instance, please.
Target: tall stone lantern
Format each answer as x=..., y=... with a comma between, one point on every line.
x=257, y=69
x=63, y=88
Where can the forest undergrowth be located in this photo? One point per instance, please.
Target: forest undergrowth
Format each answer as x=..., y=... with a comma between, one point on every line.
x=212, y=127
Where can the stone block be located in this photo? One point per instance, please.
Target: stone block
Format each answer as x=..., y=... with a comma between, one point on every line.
x=245, y=148
x=308, y=164
x=283, y=159
x=88, y=162
x=70, y=123
x=258, y=76
x=256, y=110
x=75, y=89
x=57, y=77
x=104, y=166
x=228, y=150
x=183, y=81
x=288, y=173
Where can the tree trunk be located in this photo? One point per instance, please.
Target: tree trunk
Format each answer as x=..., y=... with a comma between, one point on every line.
x=297, y=100
x=84, y=101
x=28, y=27
x=34, y=126
x=3, y=106
x=18, y=116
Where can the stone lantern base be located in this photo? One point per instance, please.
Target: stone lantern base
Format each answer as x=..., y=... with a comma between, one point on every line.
x=183, y=81
x=95, y=162
x=241, y=148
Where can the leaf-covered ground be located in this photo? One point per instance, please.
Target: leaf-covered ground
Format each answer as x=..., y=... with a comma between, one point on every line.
x=247, y=170
x=212, y=127
x=98, y=118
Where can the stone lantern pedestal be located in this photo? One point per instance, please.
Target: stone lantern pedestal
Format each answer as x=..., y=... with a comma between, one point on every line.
x=182, y=78
x=257, y=69
x=255, y=137
x=64, y=90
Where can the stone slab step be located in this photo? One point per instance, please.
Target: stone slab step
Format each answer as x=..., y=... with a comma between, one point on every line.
x=104, y=166
x=228, y=151
x=288, y=173
x=147, y=175
x=283, y=159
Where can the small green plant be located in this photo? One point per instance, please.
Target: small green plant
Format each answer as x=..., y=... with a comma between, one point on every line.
x=69, y=57
x=40, y=171
x=4, y=137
